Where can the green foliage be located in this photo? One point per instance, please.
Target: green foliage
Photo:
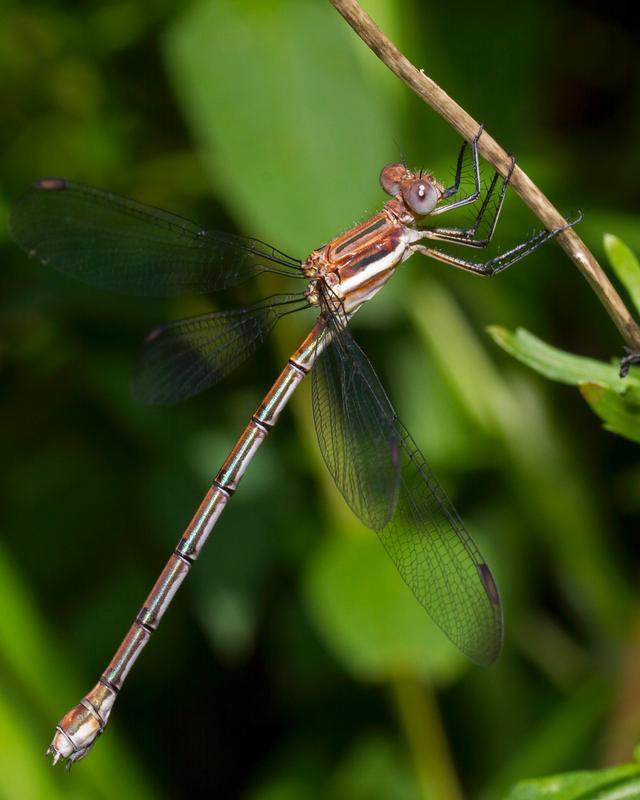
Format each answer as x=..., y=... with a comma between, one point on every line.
x=556, y=364
x=625, y=265
x=268, y=151
x=33, y=689
x=620, y=411
x=614, y=783
x=614, y=399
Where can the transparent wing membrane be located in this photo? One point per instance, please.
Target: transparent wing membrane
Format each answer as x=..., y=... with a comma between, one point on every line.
x=182, y=358
x=124, y=246
x=439, y=561
x=353, y=421
x=385, y=479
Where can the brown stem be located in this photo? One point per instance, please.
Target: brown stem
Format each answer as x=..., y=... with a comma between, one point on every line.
x=464, y=123
x=621, y=734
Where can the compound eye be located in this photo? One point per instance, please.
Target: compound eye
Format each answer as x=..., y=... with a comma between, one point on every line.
x=421, y=197
x=390, y=178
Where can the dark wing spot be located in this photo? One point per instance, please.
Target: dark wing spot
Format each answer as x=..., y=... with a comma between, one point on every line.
x=395, y=451
x=489, y=584
x=51, y=183
x=154, y=334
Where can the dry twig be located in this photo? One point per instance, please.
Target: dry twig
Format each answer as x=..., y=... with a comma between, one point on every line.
x=466, y=126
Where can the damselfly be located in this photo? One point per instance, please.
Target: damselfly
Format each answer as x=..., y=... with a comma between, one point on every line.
x=125, y=246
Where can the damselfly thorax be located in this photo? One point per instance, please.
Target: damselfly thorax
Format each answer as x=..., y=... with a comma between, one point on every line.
x=356, y=265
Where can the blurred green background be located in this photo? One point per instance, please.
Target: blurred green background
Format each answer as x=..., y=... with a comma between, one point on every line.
x=294, y=663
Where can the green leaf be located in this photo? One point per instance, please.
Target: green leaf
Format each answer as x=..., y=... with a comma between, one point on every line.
x=477, y=386
x=607, y=784
x=373, y=770
x=369, y=617
x=557, y=364
x=270, y=92
x=32, y=699
x=619, y=411
x=625, y=265
x=561, y=733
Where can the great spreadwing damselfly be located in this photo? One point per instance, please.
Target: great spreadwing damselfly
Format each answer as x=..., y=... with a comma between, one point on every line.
x=124, y=246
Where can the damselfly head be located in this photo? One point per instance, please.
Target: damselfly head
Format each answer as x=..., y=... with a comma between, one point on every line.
x=419, y=191
x=392, y=176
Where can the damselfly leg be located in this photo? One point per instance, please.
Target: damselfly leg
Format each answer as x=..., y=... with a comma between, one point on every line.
x=630, y=359
x=500, y=262
x=466, y=236
x=455, y=187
